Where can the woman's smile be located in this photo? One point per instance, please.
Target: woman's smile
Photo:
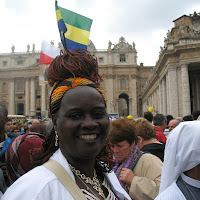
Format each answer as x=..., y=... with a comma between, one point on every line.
x=88, y=138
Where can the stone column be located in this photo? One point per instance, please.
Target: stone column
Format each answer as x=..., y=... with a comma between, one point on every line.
x=164, y=96
x=167, y=92
x=194, y=92
x=173, y=97
x=27, y=98
x=185, y=90
x=43, y=100
x=134, y=97
x=32, y=100
x=150, y=100
x=198, y=92
x=12, y=98
x=157, y=100
x=153, y=100
x=110, y=90
x=160, y=98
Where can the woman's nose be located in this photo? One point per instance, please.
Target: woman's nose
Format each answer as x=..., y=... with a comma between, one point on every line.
x=89, y=122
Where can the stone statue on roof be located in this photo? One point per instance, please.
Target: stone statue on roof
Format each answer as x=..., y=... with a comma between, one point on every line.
x=133, y=45
x=13, y=48
x=109, y=44
x=169, y=38
x=28, y=48
x=33, y=48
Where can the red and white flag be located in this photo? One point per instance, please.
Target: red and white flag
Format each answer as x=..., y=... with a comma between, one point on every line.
x=48, y=53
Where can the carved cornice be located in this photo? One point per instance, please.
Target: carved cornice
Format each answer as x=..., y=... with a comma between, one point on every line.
x=125, y=76
x=110, y=76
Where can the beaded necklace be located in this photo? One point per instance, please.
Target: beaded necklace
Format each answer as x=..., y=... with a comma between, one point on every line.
x=94, y=181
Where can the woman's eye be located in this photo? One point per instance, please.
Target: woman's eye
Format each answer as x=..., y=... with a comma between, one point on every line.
x=99, y=114
x=75, y=116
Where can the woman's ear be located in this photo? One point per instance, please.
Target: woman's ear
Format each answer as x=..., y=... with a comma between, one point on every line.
x=140, y=139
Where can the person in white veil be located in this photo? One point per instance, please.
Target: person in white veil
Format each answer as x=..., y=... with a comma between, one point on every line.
x=180, y=177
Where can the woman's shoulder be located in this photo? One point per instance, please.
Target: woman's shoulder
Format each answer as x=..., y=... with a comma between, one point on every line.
x=148, y=165
x=150, y=158
x=31, y=184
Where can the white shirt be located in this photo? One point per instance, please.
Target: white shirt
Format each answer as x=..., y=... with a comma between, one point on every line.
x=42, y=184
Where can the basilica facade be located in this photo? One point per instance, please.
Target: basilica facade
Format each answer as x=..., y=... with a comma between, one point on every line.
x=24, y=91
x=174, y=84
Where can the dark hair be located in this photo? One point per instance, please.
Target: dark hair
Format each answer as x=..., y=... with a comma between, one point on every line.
x=145, y=129
x=188, y=118
x=159, y=119
x=16, y=127
x=3, y=110
x=196, y=114
x=26, y=129
x=41, y=128
x=148, y=115
x=122, y=129
x=169, y=118
x=9, y=120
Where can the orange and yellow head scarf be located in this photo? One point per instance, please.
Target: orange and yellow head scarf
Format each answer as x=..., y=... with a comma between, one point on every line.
x=59, y=88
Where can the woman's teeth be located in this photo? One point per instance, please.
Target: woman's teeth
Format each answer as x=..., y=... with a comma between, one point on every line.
x=88, y=137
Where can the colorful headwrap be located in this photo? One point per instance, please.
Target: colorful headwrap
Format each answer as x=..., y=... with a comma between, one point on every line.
x=59, y=88
x=18, y=154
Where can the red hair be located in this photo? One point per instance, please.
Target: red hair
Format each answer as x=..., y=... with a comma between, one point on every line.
x=79, y=63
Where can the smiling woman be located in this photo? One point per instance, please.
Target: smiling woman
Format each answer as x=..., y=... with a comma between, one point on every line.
x=77, y=140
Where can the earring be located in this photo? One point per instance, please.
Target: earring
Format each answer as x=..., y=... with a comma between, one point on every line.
x=56, y=138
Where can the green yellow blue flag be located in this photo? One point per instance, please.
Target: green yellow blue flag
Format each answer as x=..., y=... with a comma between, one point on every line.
x=74, y=28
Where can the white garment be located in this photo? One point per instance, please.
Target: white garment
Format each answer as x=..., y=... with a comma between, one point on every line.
x=193, y=182
x=174, y=193
x=181, y=152
x=42, y=184
x=171, y=193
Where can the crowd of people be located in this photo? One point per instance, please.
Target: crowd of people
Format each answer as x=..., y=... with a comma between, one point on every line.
x=81, y=154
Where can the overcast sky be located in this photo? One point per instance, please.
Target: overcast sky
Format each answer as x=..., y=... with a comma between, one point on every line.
x=145, y=22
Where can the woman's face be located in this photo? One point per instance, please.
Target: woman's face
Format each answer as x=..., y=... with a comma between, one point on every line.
x=121, y=150
x=82, y=123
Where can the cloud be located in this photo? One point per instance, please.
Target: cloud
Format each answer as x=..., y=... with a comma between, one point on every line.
x=143, y=21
